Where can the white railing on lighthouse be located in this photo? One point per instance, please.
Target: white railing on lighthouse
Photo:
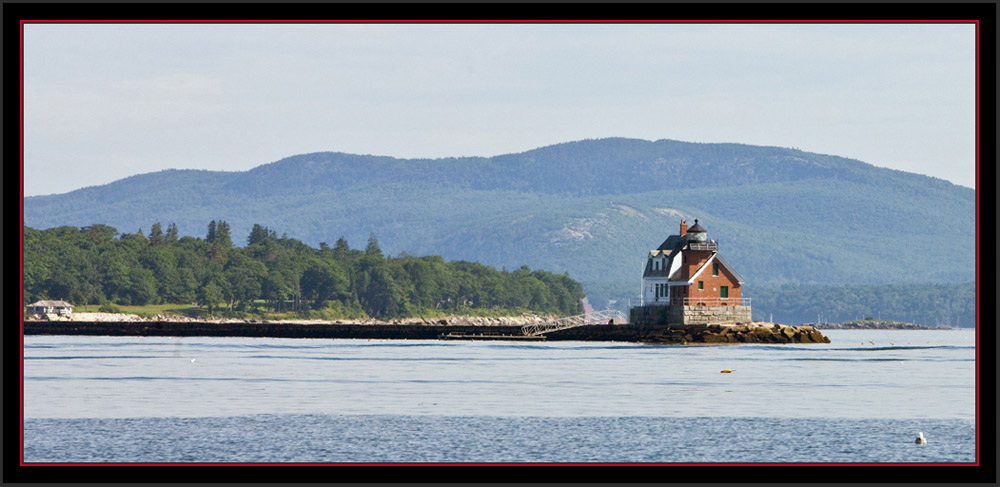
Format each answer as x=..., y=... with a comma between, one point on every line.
x=716, y=302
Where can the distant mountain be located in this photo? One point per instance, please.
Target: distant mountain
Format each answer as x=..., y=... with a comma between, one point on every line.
x=592, y=208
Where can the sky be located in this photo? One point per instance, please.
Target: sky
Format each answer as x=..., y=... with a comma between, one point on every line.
x=107, y=101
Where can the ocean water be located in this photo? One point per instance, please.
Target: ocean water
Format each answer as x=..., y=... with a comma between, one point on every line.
x=860, y=399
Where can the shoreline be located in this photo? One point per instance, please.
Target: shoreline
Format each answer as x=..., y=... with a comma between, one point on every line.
x=877, y=325
x=473, y=329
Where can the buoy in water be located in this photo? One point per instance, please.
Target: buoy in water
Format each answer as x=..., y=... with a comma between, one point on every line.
x=920, y=439
x=726, y=371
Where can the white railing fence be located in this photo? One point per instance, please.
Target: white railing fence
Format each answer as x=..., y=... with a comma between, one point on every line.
x=597, y=317
x=716, y=302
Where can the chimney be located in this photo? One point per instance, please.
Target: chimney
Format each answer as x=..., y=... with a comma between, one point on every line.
x=684, y=227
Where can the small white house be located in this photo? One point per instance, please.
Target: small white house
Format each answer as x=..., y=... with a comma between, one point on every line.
x=59, y=307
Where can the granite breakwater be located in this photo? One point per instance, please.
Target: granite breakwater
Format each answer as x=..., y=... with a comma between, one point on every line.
x=481, y=329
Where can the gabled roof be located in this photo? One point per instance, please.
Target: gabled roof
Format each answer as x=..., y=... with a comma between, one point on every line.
x=716, y=256
x=737, y=275
x=671, y=243
x=52, y=304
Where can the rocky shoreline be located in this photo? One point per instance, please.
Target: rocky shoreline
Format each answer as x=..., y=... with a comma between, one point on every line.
x=521, y=320
x=455, y=327
x=873, y=325
x=756, y=332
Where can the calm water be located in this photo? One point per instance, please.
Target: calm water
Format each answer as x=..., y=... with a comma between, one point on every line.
x=861, y=398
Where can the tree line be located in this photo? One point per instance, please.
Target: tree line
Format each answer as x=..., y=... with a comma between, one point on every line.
x=943, y=304
x=98, y=265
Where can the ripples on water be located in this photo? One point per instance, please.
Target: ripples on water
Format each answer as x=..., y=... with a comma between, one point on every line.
x=444, y=439
x=126, y=399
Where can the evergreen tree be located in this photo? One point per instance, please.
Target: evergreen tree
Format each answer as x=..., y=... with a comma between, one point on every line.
x=210, y=238
x=341, y=249
x=222, y=236
x=373, y=248
x=156, y=234
x=258, y=234
x=171, y=233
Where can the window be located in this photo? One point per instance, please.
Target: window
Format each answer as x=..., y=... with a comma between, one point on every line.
x=715, y=269
x=724, y=291
x=701, y=285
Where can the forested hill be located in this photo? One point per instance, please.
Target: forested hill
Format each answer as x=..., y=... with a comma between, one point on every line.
x=592, y=208
x=97, y=265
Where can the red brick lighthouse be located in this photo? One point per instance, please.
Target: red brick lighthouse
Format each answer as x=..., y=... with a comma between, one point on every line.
x=686, y=281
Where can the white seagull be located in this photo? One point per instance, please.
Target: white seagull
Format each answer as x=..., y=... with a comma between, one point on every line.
x=920, y=438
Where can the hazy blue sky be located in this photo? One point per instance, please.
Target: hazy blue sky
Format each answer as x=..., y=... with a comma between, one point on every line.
x=106, y=101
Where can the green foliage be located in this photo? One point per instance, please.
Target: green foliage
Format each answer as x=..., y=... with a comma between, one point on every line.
x=277, y=275
x=923, y=304
x=109, y=308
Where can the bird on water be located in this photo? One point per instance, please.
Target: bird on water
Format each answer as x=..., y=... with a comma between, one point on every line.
x=920, y=439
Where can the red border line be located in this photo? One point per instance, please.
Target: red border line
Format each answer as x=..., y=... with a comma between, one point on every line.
x=20, y=242
x=977, y=245
x=513, y=21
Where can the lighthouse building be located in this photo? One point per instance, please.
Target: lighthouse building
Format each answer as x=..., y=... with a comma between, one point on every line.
x=686, y=280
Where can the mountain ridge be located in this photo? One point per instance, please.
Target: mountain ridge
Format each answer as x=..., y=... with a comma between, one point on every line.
x=592, y=208
x=368, y=158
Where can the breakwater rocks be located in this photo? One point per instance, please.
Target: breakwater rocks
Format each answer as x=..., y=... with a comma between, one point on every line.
x=520, y=320
x=873, y=325
x=257, y=329
x=756, y=332
x=409, y=329
x=471, y=328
